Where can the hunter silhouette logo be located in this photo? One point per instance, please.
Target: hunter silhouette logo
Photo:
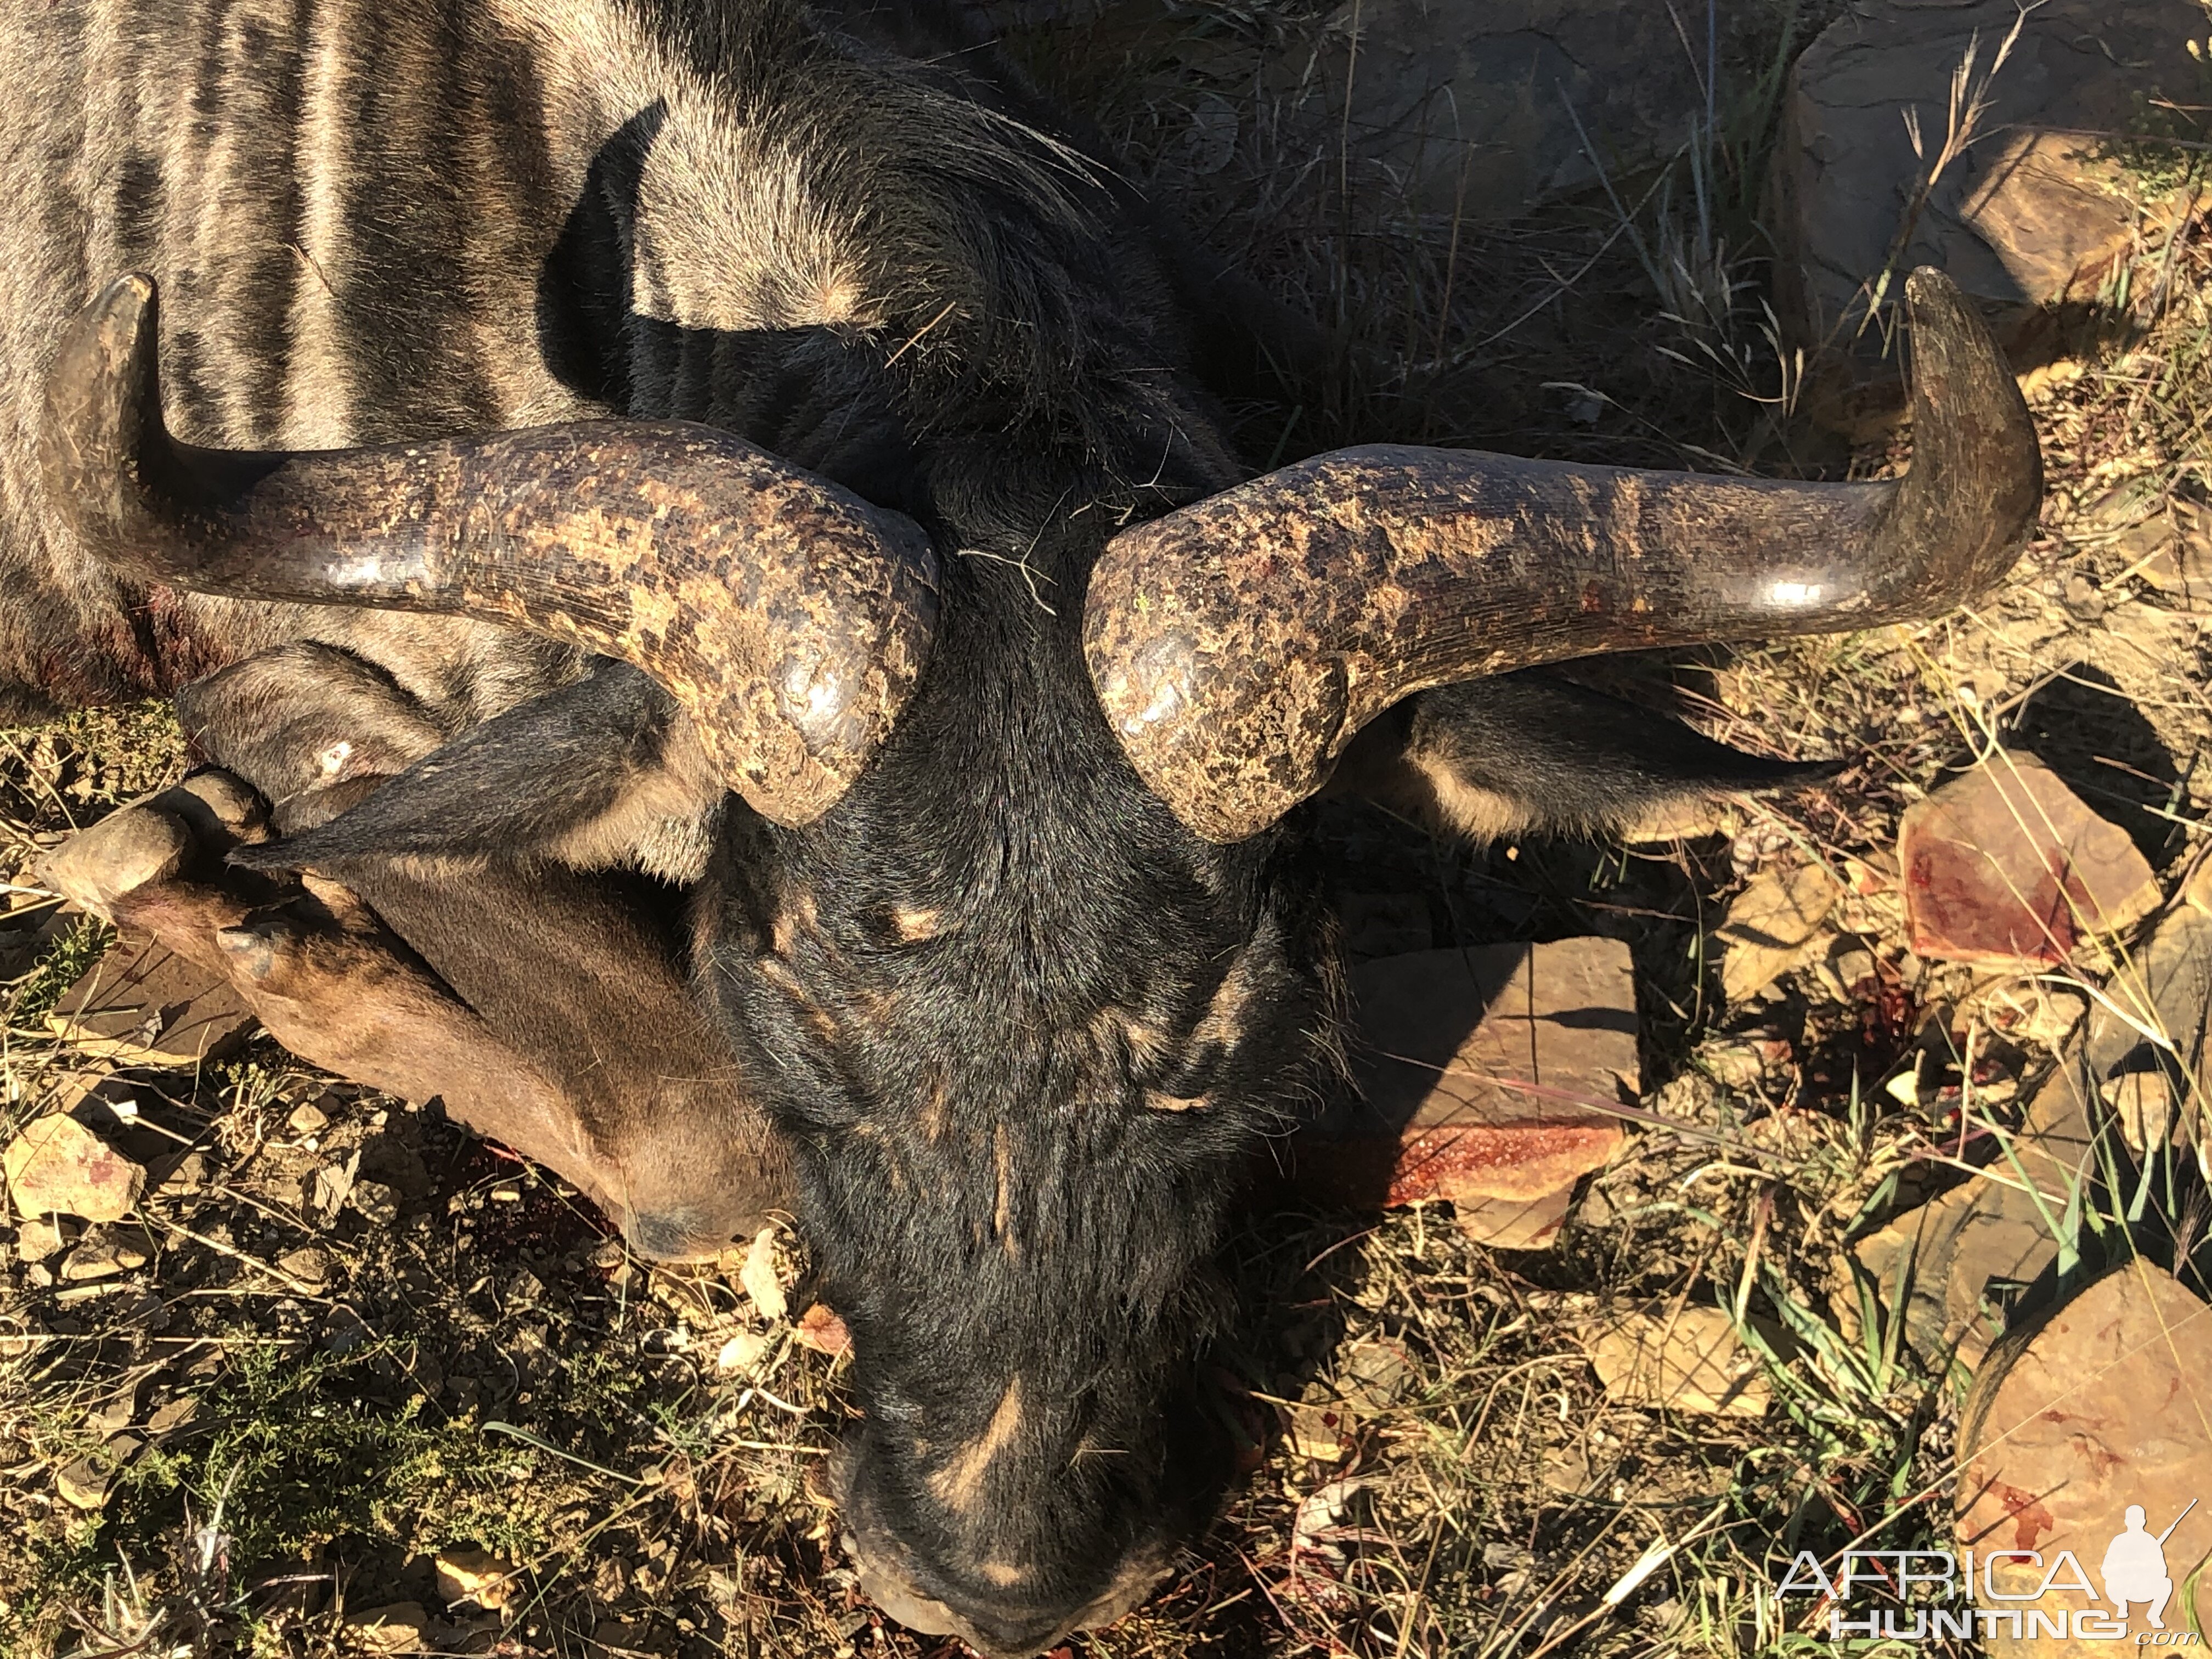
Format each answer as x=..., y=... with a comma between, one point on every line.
x=2135, y=1566
x=1937, y=1595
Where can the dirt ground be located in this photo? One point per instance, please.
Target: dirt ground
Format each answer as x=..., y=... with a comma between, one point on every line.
x=293, y=1408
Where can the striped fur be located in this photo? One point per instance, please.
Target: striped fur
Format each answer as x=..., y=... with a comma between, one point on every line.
x=374, y=220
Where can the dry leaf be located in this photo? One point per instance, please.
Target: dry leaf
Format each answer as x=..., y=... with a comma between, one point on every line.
x=759, y=1278
x=1689, y=1359
x=1769, y=926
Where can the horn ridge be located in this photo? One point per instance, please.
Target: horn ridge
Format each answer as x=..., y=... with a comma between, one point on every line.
x=791, y=618
x=1238, y=644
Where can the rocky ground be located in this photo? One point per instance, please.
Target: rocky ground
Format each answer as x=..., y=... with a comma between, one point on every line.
x=1917, y=1052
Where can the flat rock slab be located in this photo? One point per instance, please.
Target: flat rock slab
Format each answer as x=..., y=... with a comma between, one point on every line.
x=2033, y=215
x=56, y=1166
x=1484, y=1076
x=2106, y=1404
x=2005, y=865
x=142, y=1005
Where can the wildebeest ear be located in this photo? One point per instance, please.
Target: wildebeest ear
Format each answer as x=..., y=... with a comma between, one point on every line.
x=1520, y=752
x=607, y=771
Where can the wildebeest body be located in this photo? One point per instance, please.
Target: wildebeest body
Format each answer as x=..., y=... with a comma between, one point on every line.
x=1021, y=1027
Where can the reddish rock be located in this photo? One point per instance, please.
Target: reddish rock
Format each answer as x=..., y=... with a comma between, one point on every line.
x=1484, y=1075
x=822, y=1330
x=2006, y=865
x=2098, y=1408
x=142, y=1005
x=57, y=1166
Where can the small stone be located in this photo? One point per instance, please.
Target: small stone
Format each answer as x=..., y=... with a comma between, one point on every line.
x=1854, y=969
x=57, y=1165
x=2076, y=1419
x=822, y=1330
x=476, y=1577
x=39, y=1238
x=399, y=1627
x=2168, y=558
x=1733, y=1065
x=142, y=1005
x=742, y=1352
x=1567, y=1471
x=308, y=1119
x=2197, y=890
x=1769, y=925
x=2164, y=986
x=2005, y=865
x=330, y=1187
x=308, y=1265
x=1688, y=1358
x=1982, y=1237
x=101, y=1254
x=2142, y=1103
x=759, y=1278
x=377, y=1203
x=84, y=1484
x=115, y=1415
x=168, y=1419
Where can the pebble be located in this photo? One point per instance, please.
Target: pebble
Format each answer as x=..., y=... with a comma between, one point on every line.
x=101, y=1254
x=57, y=1165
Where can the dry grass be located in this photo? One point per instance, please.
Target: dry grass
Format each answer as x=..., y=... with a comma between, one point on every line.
x=487, y=1370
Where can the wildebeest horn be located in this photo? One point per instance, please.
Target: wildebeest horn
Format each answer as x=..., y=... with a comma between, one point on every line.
x=1238, y=644
x=790, y=618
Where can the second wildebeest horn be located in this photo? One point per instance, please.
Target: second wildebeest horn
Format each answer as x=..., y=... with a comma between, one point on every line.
x=1239, y=643
x=790, y=618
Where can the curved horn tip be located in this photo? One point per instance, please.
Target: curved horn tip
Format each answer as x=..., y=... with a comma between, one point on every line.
x=125, y=298
x=116, y=335
x=1926, y=285
x=1965, y=399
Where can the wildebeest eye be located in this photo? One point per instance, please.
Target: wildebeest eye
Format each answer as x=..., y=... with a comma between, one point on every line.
x=1187, y=1084
x=894, y=925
